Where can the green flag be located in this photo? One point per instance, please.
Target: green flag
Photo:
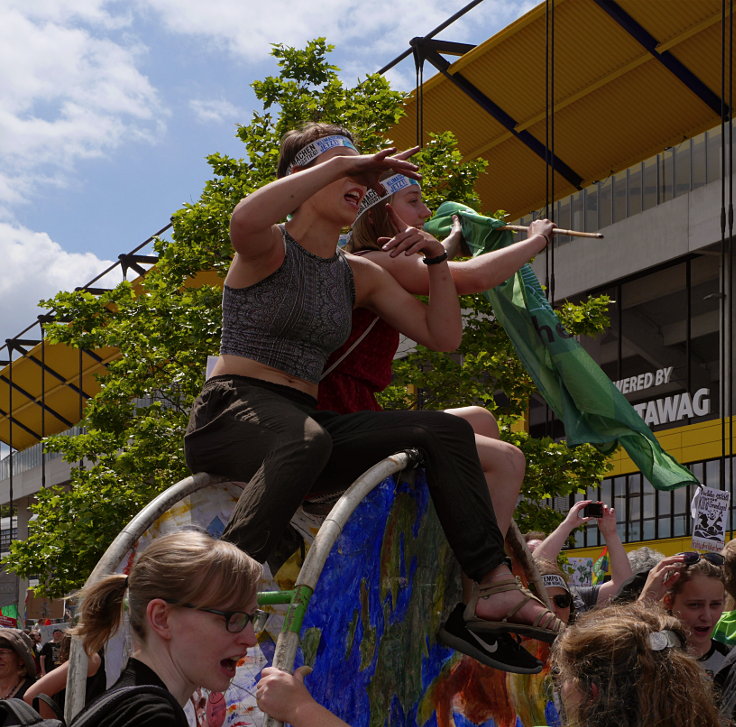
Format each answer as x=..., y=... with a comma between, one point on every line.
x=573, y=385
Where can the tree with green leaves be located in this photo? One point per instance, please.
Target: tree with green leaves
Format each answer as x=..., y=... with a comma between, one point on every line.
x=165, y=324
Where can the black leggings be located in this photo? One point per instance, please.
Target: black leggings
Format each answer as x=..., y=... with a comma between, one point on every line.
x=272, y=438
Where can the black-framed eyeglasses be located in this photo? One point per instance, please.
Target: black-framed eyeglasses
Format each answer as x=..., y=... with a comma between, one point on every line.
x=691, y=557
x=563, y=600
x=235, y=621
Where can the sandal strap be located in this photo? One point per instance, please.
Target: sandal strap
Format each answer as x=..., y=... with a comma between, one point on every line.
x=545, y=619
x=507, y=584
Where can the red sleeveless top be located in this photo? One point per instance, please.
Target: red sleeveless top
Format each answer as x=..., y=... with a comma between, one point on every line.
x=366, y=370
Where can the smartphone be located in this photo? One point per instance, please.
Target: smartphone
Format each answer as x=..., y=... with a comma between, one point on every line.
x=594, y=509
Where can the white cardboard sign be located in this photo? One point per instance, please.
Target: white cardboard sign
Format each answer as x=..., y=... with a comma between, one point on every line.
x=709, y=510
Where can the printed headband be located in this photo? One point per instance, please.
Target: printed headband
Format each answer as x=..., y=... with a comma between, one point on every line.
x=311, y=151
x=554, y=581
x=392, y=184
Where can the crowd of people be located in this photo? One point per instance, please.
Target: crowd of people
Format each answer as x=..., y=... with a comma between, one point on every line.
x=645, y=662
x=309, y=332
x=657, y=623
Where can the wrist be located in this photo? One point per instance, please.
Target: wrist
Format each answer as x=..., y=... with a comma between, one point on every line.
x=307, y=712
x=341, y=164
x=437, y=259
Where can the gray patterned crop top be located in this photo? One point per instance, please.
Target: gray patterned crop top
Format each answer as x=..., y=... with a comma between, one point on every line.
x=296, y=317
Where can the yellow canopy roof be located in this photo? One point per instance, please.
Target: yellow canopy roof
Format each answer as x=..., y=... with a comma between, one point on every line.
x=630, y=79
x=51, y=384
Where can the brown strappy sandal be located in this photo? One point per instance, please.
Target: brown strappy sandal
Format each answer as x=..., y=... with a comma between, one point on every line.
x=545, y=627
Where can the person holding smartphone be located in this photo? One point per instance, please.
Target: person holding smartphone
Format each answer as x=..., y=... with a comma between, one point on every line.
x=588, y=597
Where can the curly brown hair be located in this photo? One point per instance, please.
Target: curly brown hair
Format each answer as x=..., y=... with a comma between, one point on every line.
x=702, y=568
x=608, y=658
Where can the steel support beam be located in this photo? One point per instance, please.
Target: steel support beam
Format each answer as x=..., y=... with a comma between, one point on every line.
x=667, y=59
x=33, y=399
x=429, y=50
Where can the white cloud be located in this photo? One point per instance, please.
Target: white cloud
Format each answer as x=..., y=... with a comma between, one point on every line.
x=36, y=267
x=75, y=91
x=215, y=111
x=374, y=32
x=75, y=88
x=94, y=11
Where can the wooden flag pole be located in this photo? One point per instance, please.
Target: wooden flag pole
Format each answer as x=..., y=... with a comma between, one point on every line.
x=556, y=231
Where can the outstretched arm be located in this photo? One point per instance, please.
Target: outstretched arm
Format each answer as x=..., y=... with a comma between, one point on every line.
x=620, y=566
x=285, y=698
x=493, y=268
x=476, y=274
x=552, y=544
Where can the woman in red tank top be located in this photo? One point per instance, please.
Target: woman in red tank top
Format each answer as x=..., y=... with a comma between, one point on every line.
x=352, y=380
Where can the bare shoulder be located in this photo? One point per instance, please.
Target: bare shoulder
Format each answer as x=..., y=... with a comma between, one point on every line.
x=362, y=265
x=250, y=266
x=367, y=276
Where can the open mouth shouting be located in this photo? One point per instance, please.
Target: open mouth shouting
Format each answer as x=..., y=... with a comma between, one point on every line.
x=353, y=197
x=228, y=666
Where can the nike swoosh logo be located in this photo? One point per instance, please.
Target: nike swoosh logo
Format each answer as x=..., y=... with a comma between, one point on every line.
x=489, y=648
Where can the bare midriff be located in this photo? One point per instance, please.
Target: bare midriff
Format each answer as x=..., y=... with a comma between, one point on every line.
x=241, y=366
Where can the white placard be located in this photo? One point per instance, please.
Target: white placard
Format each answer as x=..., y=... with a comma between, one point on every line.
x=709, y=510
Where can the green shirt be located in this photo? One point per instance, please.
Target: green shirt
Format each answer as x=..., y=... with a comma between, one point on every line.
x=725, y=630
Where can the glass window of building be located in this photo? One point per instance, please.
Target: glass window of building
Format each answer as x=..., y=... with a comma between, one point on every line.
x=635, y=189
x=650, y=183
x=577, y=212
x=667, y=174
x=682, y=164
x=605, y=201
x=705, y=329
x=713, y=153
x=591, y=207
x=698, y=163
x=619, y=188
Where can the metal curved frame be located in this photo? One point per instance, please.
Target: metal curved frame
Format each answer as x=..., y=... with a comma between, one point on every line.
x=298, y=599
x=309, y=574
x=288, y=640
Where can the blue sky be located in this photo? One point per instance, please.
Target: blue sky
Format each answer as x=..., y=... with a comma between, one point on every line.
x=109, y=108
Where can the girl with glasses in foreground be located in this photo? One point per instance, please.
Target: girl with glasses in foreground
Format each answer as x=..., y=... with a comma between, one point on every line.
x=191, y=601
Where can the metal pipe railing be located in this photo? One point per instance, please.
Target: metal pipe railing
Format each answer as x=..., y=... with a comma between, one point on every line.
x=298, y=599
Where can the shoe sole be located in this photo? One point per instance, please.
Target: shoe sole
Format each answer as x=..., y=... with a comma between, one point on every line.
x=479, y=654
x=480, y=626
